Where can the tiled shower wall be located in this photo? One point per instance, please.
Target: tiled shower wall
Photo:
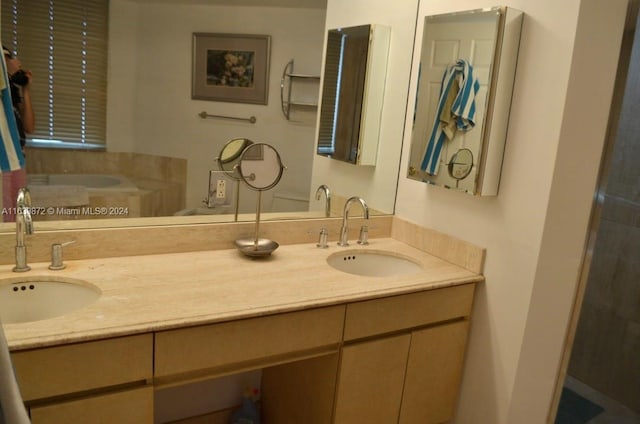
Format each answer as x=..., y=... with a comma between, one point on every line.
x=605, y=351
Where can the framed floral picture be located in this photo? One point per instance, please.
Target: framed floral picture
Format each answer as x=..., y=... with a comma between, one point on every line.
x=231, y=67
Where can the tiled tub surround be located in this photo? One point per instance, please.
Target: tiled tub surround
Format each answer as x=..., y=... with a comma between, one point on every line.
x=161, y=181
x=166, y=305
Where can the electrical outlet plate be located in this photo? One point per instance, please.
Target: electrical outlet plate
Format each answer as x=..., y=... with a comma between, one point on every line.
x=221, y=189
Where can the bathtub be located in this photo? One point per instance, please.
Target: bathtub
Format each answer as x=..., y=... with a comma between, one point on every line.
x=92, y=182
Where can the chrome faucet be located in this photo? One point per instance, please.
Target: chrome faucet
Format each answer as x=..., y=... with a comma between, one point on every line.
x=24, y=225
x=344, y=231
x=327, y=195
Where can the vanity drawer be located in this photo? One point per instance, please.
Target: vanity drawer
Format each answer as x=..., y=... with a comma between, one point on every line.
x=133, y=406
x=379, y=316
x=60, y=370
x=219, y=345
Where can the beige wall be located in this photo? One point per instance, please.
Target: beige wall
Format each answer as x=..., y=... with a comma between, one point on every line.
x=150, y=109
x=534, y=230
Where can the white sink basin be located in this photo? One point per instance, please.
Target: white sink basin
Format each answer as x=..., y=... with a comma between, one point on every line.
x=24, y=299
x=371, y=263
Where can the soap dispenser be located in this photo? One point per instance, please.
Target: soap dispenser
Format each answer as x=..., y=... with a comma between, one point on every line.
x=248, y=412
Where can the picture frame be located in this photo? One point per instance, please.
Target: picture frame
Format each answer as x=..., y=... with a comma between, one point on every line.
x=231, y=67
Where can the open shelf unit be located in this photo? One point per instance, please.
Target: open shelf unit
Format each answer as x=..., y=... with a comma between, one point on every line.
x=287, y=97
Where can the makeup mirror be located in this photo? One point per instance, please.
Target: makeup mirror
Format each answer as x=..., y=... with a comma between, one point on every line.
x=230, y=155
x=260, y=168
x=218, y=192
x=461, y=164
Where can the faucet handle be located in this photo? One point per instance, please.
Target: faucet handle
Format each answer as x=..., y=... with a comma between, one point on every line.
x=322, y=240
x=364, y=235
x=56, y=255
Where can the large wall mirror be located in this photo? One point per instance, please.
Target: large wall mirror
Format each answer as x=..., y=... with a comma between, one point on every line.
x=155, y=135
x=466, y=74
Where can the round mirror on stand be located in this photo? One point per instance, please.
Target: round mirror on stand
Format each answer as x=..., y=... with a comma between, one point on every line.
x=228, y=162
x=460, y=165
x=230, y=155
x=260, y=167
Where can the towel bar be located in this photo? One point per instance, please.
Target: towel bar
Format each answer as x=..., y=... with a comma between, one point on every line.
x=204, y=115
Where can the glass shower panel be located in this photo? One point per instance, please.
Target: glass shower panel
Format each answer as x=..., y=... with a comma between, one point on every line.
x=604, y=367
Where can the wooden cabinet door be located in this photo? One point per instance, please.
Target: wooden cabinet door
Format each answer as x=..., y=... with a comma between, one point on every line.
x=434, y=370
x=370, y=381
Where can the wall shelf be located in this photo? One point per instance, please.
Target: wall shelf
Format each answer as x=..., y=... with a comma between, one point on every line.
x=287, y=98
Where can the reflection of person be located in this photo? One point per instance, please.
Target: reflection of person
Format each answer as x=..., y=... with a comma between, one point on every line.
x=14, y=174
x=20, y=81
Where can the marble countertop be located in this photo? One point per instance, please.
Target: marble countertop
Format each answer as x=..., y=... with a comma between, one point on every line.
x=158, y=292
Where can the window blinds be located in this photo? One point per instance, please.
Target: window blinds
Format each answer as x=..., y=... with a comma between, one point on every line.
x=331, y=86
x=64, y=44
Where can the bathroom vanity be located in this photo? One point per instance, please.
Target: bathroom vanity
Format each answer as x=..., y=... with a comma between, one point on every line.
x=332, y=346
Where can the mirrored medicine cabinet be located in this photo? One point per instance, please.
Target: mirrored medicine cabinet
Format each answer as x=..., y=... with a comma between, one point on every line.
x=465, y=81
x=355, y=71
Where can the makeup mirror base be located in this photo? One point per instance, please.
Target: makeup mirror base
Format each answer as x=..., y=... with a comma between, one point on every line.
x=256, y=247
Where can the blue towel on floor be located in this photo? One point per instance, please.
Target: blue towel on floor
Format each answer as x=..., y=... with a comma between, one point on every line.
x=575, y=409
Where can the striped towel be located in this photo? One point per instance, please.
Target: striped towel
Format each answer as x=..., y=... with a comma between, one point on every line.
x=456, y=111
x=11, y=157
